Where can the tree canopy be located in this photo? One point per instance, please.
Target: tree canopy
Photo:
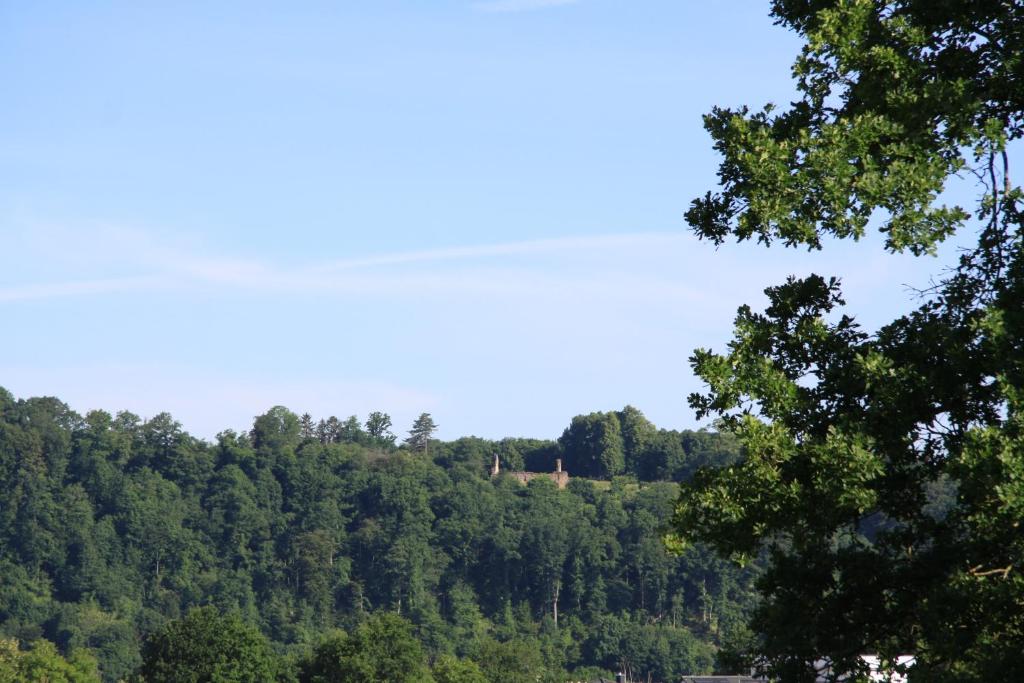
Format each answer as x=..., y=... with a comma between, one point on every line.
x=382, y=649
x=41, y=663
x=304, y=551
x=205, y=646
x=883, y=477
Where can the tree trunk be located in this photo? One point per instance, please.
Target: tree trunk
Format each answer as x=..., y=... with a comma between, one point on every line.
x=554, y=601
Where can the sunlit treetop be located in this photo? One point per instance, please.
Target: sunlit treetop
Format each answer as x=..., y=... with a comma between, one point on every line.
x=895, y=98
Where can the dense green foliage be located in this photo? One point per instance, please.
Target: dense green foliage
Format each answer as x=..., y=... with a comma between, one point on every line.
x=41, y=663
x=884, y=472
x=382, y=649
x=346, y=552
x=205, y=646
x=602, y=445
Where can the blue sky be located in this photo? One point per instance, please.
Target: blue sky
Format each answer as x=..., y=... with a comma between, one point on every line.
x=472, y=209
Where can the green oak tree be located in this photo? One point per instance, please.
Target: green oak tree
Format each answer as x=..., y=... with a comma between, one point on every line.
x=378, y=426
x=515, y=661
x=205, y=647
x=41, y=663
x=637, y=433
x=593, y=445
x=849, y=432
x=352, y=431
x=382, y=649
x=276, y=429
x=448, y=669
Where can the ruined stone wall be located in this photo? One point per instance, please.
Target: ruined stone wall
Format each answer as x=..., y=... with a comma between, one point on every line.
x=559, y=476
x=561, y=479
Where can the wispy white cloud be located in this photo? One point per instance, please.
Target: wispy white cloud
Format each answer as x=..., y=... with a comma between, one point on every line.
x=650, y=269
x=519, y=5
x=53, y=290
x=585, y=243
x=525, y=315
x=145, y=262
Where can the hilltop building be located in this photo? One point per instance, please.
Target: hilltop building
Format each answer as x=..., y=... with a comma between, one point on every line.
x=559, y=476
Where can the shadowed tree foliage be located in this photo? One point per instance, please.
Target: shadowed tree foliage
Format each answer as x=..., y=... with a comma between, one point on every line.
x=883, y=476
x=593, y=445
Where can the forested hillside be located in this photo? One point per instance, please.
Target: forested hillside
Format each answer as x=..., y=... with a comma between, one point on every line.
x=112, y=528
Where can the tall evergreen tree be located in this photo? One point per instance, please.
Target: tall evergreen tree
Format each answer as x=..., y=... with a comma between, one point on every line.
x=307, y=429
x=333, y=429
x=422, y=429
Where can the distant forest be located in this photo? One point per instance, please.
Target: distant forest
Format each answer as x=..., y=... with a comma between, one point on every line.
x=324, y=538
